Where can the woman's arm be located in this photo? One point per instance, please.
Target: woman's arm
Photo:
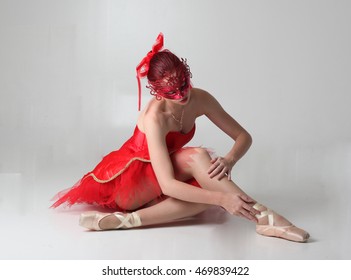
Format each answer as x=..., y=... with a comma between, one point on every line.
x=215, y=112
x=156, y=130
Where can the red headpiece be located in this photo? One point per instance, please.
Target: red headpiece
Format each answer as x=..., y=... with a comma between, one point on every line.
x=143, y=67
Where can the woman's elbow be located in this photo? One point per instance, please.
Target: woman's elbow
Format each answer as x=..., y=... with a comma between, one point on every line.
x=167, y=186
x=248, y=138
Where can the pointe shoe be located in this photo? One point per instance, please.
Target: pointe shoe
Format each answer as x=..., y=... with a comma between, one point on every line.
x=289, y=232
x=91, y=220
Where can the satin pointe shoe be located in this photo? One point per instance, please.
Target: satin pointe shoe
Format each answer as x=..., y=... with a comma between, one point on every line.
x=289, y=232
x=91, y=220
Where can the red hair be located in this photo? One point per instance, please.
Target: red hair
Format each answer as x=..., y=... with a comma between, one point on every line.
x=163, y=64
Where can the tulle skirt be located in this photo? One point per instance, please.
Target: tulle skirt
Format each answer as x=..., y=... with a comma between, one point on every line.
x=128, y=188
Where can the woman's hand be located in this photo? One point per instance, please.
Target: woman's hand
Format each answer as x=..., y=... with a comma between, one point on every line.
x=221, y=167
x=240, y=205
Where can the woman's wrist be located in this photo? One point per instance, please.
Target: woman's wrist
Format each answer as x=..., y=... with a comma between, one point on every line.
x=231, y=159
x=218, y=198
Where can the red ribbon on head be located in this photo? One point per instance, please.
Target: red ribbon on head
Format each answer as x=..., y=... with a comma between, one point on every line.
x=143, y=67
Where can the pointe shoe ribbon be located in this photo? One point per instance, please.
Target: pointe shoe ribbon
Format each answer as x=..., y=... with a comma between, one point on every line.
x=131, y=220
x=289, y=232
x=91, y=220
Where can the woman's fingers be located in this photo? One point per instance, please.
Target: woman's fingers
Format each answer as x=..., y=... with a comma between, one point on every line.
x=246, y=210
x=241, y=205
x=214, y=170
x=212, y=167
x=251, y=210
x=246, y=198
x=219, y=167
x=248, y=215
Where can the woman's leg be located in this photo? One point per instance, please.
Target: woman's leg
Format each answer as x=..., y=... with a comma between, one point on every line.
x=194, y=162
x=269, y=222
x=168, y=210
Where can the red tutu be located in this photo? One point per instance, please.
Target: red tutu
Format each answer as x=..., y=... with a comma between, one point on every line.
x=125, y=175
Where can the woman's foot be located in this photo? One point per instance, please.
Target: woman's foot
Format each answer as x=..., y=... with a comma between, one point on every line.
x=105, y=221
x=272, y=224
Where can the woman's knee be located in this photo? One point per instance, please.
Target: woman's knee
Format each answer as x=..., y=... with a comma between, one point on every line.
x=189, y=152
x=183, y=161
x=198, y=153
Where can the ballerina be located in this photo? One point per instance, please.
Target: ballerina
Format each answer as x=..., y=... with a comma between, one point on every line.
x=154, y=178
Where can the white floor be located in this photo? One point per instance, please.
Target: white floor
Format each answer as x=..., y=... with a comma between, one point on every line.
x=30, y=230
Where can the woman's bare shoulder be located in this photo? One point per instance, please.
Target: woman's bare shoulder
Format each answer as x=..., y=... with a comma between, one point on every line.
x=199, y=91
x=202, y=97
x=201, y=100
x=151, y=116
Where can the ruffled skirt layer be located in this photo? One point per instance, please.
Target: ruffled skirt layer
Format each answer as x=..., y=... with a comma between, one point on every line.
x=119, y=188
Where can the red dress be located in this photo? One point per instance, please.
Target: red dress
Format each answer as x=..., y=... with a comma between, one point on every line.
x=125, y=174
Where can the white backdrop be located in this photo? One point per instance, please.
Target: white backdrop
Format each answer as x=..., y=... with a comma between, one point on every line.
x=68, y=93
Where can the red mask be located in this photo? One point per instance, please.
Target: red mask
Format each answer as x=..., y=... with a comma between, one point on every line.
x=175, y=86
